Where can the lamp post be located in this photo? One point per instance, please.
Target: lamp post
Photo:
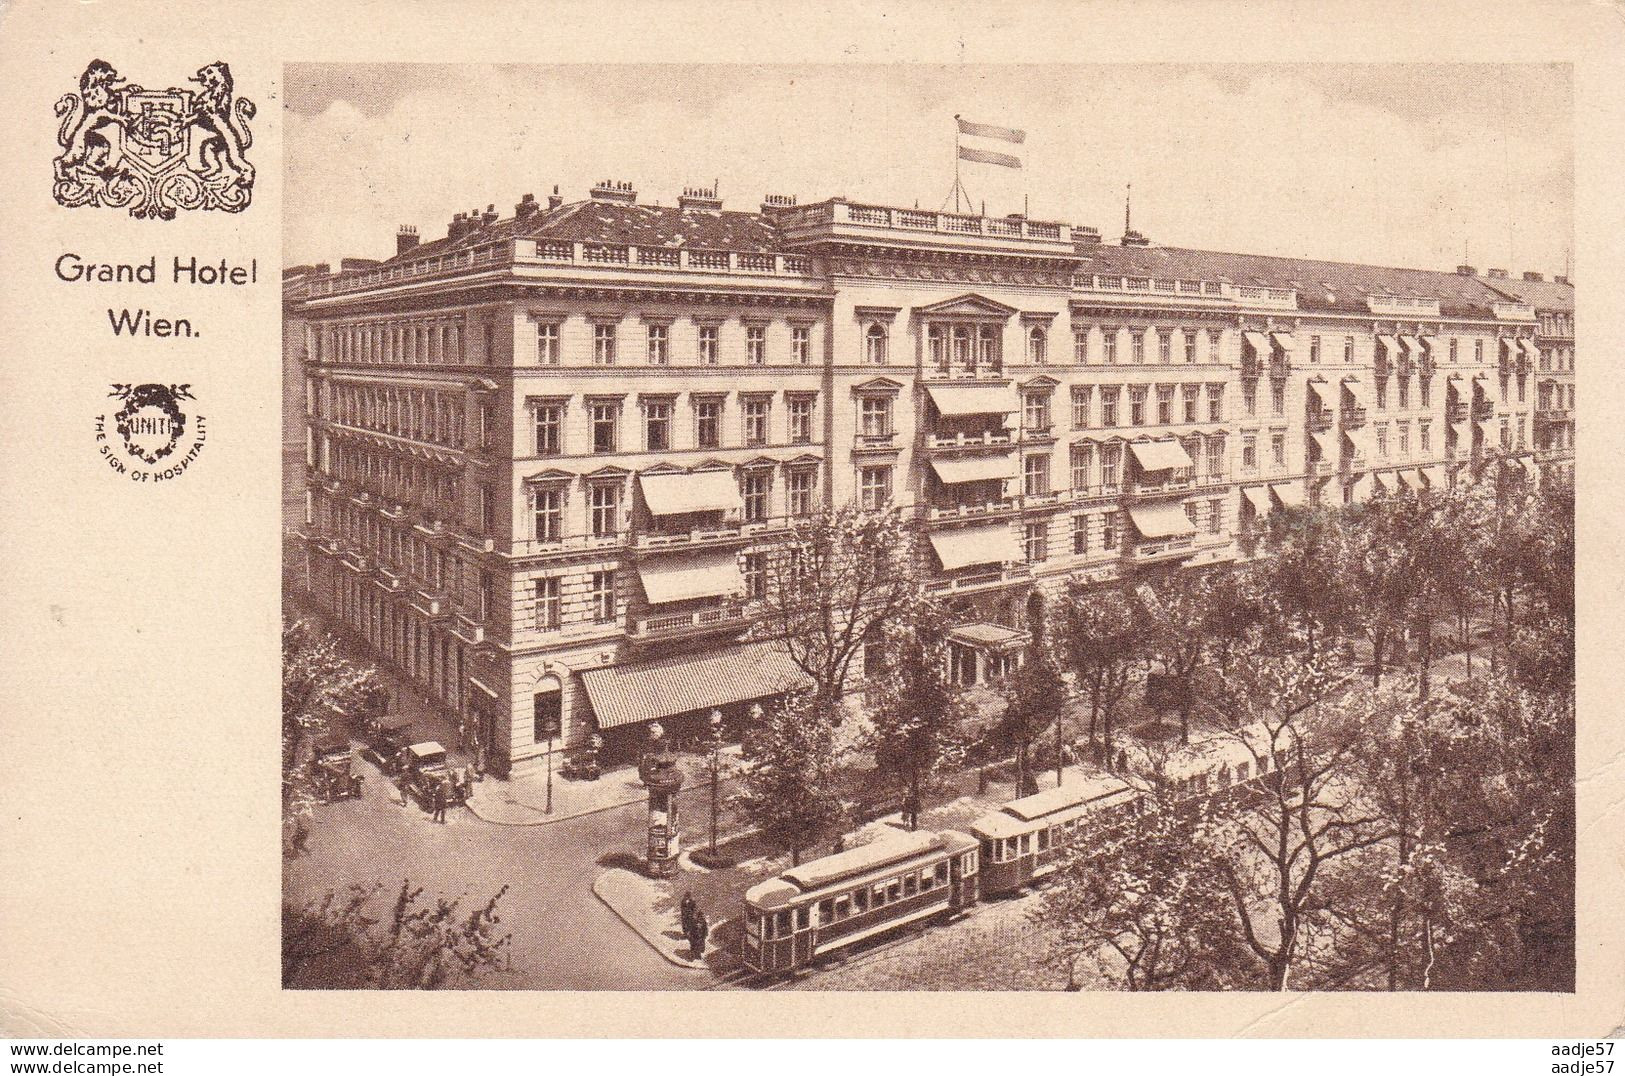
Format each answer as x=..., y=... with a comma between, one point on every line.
x=716, y=766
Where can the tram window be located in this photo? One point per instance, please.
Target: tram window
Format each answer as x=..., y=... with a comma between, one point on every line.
x=860, y=900
x=1242, y=771
x=1043, y=839
x=803, y=917
x=926, y=881
x=843, y=907
x=1026, y=843
x=826, y=911
x=753, y=921
x=880, y=894
x=967, y=864
x=987, y=848
x=1009, y=849
x=1224, y=776
x=942, y=873
x=911, y=884
x=782, y=925
x=767, y=927
x=894, y=889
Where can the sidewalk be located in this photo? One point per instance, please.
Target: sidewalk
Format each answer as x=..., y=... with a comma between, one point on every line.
x=647, y=906
x=521, y=800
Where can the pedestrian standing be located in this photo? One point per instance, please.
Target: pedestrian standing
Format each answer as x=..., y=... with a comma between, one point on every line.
x=440, y=801
x=688, y=908
x=702, y=928
x=406, y=792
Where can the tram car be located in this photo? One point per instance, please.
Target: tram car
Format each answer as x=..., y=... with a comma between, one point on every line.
x=1023, y=840
x=830, y=903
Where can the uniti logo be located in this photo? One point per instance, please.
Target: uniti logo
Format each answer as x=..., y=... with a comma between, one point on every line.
x=153, y=430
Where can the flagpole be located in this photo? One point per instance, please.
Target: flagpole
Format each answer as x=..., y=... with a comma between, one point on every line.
x=956, y=163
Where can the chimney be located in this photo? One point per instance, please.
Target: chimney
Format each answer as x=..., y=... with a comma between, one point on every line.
x=1560, y=280
x=553, y=200
x=1533, y=276
x=1466, y=270
x=405, y=239
x=1496, y=274
x=1134, y=239
x=490, y=214
x=614, y=191
x=1085, y=236
x=778, y=201
x=458, y=227
x=525, y=207
x=699, y=198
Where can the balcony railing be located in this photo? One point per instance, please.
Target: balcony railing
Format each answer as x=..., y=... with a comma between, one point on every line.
x=726, y=617
x=1319, y=467
x=468, y=630
x=651, y=540
x=1173, y=485
x=389, y=580
x=990, y=372
x=356, y=561
x=1409, y=306
x=1032, y=434
x=876, y=440
x=1483, y=410
x=1320, y=419
x=1513, y=311
x=429, y=602
x=1162, y=547
x=1456, y=412
x=985, y=439
x=1553, y=415
x=1353, y=418
x=1381, y=367
x=980, y=580
x=935, y=512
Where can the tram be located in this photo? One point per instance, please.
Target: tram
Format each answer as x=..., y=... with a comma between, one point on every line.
x=1023, y=840
x=827, y=904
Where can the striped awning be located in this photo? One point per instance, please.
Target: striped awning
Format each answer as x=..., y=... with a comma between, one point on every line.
x=1161, y=520
x=1389, y=343
x=676, y=577
x=1412, y=344
x=992, y=544
x=682, y=683
x=707, y=491
x=972, y=399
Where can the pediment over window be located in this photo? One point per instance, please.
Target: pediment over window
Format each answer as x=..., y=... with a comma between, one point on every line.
x=878, y=384
x=1040, y=383
x=969, y=305
x=609, y=471
x=552, y=474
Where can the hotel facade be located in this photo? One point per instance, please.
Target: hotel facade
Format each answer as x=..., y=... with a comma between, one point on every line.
x=540, y=464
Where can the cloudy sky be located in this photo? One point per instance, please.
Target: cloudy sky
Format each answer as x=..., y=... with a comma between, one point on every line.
x=1390, y=164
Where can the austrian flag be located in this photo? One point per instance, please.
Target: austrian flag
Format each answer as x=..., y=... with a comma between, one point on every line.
x=988, y=130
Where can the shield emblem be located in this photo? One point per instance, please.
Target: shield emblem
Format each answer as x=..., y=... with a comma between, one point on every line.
x=151, y=421
x=157, y=133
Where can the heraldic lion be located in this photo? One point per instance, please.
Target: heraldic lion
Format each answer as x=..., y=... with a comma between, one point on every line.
x=83, y=116
x=226, y=121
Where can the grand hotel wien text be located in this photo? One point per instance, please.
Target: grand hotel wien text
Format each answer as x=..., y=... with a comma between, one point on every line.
x=539, y=463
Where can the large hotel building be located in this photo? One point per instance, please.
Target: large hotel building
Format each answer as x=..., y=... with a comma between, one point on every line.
x=539, y=463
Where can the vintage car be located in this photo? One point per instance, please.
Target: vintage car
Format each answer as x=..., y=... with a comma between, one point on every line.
x=425, y=765
x=389, y=739
x=330, y=770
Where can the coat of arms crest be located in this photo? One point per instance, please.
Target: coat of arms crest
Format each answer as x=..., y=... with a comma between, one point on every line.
x=151, y=420
x=154, y=151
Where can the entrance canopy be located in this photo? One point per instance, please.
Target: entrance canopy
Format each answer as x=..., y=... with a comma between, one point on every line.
x=972, y=399
x=650, y=690
x=993, y=544
x=1161, y=520
x=1160, y=455
x=681, y=576
x=706, y=491
x=974, y=469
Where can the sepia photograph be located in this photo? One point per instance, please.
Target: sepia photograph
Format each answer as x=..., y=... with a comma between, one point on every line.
x=1054, y=527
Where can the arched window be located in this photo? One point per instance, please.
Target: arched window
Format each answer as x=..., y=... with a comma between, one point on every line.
x=548, y=721
x=1037, y=346
x=874, y=345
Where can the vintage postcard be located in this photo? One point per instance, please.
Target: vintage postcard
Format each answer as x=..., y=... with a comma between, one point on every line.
x=1048, y=521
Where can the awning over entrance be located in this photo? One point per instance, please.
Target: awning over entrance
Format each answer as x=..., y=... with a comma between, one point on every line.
x=676, y=577
x=972, y=399
x=994, y=637
x=647, y=691
x=1530, y=350
x=1290, y=494
x=1258, y=342
x=1259, y=498
x=1161, y=520
x=1283, y=341
x=974, y=469
x=1160, y=455
x=706, y=491
x=1435, y=476
x=1356, y=389
x=993, y=544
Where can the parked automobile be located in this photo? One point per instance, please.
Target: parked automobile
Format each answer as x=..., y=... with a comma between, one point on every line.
x=330, y=768
x=389, y=739
x=425, y=765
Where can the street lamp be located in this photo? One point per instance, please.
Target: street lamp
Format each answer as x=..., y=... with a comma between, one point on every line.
x=716, y=766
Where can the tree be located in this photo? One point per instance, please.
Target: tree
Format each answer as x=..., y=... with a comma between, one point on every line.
x=1176, y=610
x=790, y=774
x=917, y=715
x=833, y=579
x=419, y=945
x=1034, y=696
x=1101, y=637
x=319, y=686
x=1302, y=574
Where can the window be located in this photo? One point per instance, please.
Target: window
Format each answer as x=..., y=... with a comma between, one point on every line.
x=1249, y=398
x=659, y=345
x=1382, y=394
x=756, y=411
x=1108, y=531
x=1108, y=405
x=756, y=345
x=1035, y=542
x=707, y=423
x=874, y=487
x=1035, y=475
x=1165, y=347
x=1314, y=349
x=1080, y=346
x=756, y=487
x=1165, y=404
x=547, y=604
x=1035, y=411
x=708, y=345
x=657, y=424
x=1478, y=352
x=1037, y=346
x=547, y=716
x=1136, y=405
x=1137, y=345
x=1424, y=438
x=605, y=417
x=1080, y=407
x=488, y=510
x=1215, y=456
x=1522, y=390
x=755, y=572
x=1425, y=387
x=1404, y=438
x=1190, y=394
x=800, y=485
x=1249, y=452
x=874, y=345
x=1404, y=393
x=801, y=344
x=603, y=344
x=549, y=429
x=603, y=503
x=1111, y=458
x=1382, y=439
x=800, y=420
x=1278, y=450
x=1278, y=397
x=987, y=349
x=1348, y=349
x=1110, y=339
x=1082, y=457
x=1080, y=534
x=876, y=416
x=1213, y=346
x=547, y=508
x=1454, y=345
x=547, y=343
x=1215, y=403
x=1190, y=347
x=602, y=596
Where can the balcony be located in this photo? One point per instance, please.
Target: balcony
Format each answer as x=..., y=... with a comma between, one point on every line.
x=728, y=617
x=1003, y=506
x=1483, y=410
x=1503, y=365
x=430, y=603
x=1406, y=365
x=1380, y=366
x=875, y=440
x=1251, y=368
x=1520, y=366
x=991, y=373
x=981, y=580
x=1032, y=435
x=1353, y=418
x=1280, y=366
x=388, y=580
x=1552, y=416
x=1425, y=366
x=356, y=561
x=950, y=442
x=1320, y=419
x=1162, y=549
x=1404, y=306
x=1318, y=467
x=1513, y=311
x=1455, y=412
x=839, y=219
x=1173, y=486
x=648, y=541
x=468, y=630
